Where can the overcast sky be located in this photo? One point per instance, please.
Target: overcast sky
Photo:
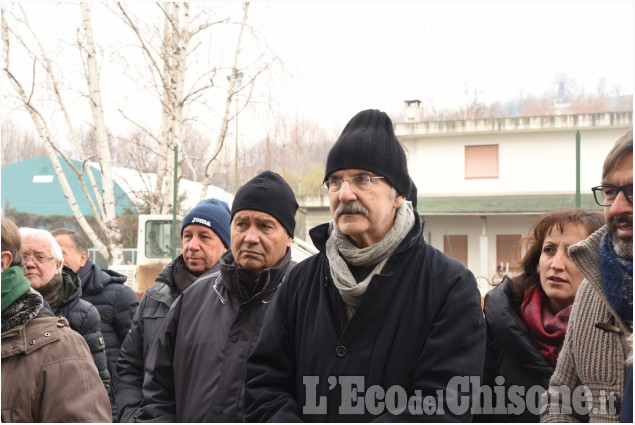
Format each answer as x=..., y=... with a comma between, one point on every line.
x=346, y=56
x=351, y=55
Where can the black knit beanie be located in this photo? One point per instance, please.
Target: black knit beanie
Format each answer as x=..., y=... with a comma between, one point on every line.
x=412, y=196
x=269, y=193
x=368, y=142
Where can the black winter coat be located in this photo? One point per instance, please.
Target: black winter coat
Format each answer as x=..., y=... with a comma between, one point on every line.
x=419, y=325
x=83, y=317
x=195, y=371
x=147, y=322
x=117, y=305
x=510, y=353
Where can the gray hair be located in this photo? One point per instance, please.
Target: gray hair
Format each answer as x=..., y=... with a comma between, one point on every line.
x=44, y=236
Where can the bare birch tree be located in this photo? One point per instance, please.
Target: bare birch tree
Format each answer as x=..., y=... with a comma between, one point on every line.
x=104, y=210
x=178, y=90
x=197, y=98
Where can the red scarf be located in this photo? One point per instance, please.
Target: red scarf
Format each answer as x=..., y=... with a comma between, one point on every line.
x=546, y=329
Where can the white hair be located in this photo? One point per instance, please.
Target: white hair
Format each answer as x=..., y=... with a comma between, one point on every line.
x=393, y=193
x=45, y=236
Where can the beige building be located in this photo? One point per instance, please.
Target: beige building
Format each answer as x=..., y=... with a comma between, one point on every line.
x=482, y=183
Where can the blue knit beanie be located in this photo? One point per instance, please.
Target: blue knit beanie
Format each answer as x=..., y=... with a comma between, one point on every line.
x=213, y=214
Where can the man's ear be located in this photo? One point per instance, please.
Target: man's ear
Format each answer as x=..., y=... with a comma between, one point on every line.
x=399, y=200
x=84, y=258
x=7, y=259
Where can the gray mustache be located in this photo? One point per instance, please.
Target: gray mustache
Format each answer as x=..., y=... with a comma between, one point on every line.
x=350, y=208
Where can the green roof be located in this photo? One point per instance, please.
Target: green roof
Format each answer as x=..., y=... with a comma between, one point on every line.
x=509, y=204
x=32, y=186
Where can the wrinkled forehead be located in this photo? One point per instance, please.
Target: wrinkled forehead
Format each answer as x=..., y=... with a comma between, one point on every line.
x=350, y=172
x=255, y=217
x=35, y=244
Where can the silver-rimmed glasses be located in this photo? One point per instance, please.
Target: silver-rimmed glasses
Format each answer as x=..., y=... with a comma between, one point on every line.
x=38, y=258
x=361, y=182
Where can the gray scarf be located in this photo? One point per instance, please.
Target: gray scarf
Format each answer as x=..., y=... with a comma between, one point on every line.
x=340, y=251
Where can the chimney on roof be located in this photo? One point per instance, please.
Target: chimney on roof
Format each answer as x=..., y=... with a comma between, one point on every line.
x=413, y=110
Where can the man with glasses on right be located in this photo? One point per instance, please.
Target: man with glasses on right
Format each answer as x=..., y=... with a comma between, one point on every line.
x=588, y=383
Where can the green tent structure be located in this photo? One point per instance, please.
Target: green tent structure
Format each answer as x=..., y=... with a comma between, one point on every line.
x=32, y=186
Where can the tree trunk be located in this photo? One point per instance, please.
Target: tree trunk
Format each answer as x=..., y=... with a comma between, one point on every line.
x=113, y=234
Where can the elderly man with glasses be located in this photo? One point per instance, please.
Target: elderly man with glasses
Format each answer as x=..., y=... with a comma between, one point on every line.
x=379, y=320
x=47, y=370
x=60, y=287
x=593, y=357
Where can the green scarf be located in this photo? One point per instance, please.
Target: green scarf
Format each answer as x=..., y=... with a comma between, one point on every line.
x=14, y=285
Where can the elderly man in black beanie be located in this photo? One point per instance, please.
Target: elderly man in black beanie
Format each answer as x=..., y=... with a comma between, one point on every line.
x=379, y=325
x=195, y=372
x=204, y=238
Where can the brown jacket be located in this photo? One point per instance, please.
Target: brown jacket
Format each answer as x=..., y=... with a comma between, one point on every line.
x=48, y=374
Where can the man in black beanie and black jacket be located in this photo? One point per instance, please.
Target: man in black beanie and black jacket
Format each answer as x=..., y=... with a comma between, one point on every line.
x=195, y=371
x=378, y=321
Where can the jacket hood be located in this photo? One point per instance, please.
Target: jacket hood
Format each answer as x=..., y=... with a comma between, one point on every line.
x=237, y=281
x=320, y=234
x=93, y=278
x=504, y=320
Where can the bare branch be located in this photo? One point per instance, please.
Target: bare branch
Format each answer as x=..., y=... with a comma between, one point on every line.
x=231, y=90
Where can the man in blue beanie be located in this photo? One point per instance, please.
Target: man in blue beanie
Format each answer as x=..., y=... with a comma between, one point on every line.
x=195, y=371
x=204, y=237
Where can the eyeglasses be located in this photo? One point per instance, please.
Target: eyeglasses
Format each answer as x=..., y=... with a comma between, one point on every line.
x=605, y=194
x=38, y=258
x=362, y=182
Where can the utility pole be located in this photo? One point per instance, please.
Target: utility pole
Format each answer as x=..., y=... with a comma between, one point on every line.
x=578, y=198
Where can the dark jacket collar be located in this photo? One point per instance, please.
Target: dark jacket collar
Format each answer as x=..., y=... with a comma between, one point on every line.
x=319, y=235
x=504, y=319
x=94, y=279
x=176, y=270
x=237, y=281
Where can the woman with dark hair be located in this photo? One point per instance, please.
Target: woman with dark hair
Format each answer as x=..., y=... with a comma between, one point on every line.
x=527, y=316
